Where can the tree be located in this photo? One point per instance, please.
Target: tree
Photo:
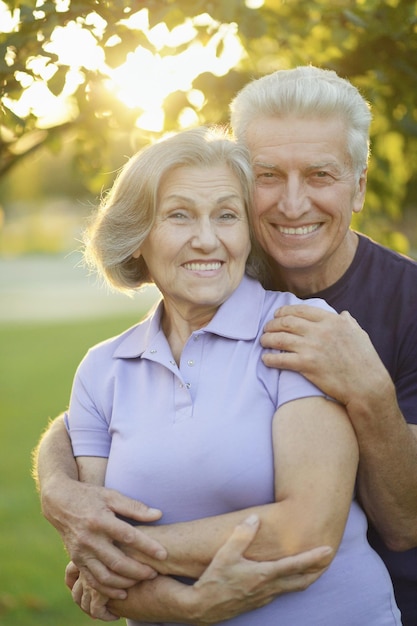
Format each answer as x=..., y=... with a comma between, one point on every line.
x=371, y=42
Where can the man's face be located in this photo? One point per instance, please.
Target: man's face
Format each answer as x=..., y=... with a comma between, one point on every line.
x=306, y=191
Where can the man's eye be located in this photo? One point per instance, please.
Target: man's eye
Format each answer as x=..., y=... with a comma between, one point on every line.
x=266, y=178
x=265, y=175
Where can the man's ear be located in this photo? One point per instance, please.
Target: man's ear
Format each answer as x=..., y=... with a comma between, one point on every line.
x=360, y=192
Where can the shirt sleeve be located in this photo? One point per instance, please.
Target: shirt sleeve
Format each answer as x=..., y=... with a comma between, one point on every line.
x=86, y=423
x=293, y=385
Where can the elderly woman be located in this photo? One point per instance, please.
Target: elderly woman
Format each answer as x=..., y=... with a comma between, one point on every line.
x=181, y=413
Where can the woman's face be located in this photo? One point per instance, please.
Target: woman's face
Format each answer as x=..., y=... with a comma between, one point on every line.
x=197, y=249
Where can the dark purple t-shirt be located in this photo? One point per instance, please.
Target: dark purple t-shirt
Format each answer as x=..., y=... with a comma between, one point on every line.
x=380, y=291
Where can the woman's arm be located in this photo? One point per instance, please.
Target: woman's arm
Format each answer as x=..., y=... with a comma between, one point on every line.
x=213, y=597
x=231, y=585
x=316, y=457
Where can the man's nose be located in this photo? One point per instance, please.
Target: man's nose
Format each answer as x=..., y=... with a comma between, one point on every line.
x=293, y=200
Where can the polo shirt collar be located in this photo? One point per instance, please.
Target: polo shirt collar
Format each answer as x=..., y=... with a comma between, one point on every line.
x=238, y=318
x=240, y=315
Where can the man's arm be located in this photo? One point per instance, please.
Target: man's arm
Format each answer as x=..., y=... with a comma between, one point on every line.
x=84, y=515
x=334, y=353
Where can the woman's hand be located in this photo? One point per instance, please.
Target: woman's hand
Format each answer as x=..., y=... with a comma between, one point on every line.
x=88, y=599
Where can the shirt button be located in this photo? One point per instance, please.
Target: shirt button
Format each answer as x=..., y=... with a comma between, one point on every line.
x=190, y=362
x=153, y=351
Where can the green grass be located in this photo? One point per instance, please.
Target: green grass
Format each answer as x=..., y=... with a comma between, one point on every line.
x=37, y=364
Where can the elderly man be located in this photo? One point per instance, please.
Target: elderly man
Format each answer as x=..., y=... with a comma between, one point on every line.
x=307, y=131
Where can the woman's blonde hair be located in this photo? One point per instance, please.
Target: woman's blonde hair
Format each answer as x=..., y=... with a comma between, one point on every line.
x=127, y=213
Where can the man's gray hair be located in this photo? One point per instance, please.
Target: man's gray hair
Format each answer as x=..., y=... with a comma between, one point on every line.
x=307, y=92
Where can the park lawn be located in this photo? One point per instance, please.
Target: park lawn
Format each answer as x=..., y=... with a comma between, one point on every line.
x=37, y=364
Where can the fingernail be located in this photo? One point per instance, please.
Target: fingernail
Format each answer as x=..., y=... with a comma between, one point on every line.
x=252, y=520
x=161, y=555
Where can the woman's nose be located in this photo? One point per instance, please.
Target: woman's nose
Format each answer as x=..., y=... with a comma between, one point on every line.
x=205, y=236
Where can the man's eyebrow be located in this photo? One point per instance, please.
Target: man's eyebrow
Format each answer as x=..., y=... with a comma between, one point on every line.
x=322, y=165
x=313, y=166
x=267, y=166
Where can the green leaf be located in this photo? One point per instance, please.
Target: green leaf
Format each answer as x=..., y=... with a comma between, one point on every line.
x=57, y=82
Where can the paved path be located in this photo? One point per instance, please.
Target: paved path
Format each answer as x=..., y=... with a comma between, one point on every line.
x=47, y=288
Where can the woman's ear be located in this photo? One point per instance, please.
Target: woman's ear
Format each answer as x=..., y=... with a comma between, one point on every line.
x=136, y=254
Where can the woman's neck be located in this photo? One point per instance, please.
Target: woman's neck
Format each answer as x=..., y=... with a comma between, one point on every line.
x=179, y=325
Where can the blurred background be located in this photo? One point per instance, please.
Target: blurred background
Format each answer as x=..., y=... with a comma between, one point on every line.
x=84, y=85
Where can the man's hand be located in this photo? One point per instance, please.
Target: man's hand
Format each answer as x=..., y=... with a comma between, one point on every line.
x=232, y=584
x=331, y=350
x=84, y=515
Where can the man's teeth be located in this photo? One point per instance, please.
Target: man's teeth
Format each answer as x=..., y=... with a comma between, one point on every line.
x=202, y=267
x=301, y=230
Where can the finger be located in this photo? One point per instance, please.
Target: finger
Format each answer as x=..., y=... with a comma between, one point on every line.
x=85, y=601
x=131, y=509
x=142, y=542
x=304, y=311
x=120, y=531
x=282, y=360
x=106, y=581
x=99, y=610
x=239, y=541
x=77, y=592
x=104, y=614
x=109, y=566
x=281, y=340
x=287, y=323
x=308, y=562
x=71, y=574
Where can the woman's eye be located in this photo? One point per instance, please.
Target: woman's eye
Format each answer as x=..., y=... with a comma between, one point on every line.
x=177, y=215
